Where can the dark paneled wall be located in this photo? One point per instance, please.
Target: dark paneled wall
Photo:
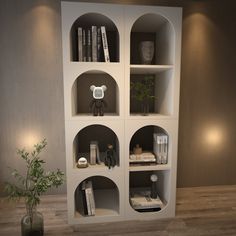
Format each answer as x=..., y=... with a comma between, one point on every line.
x=31, y=87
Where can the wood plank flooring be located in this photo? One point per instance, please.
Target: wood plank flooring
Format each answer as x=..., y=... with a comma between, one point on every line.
x=200, y=211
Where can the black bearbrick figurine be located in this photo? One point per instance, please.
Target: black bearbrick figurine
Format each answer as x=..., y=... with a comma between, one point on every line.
x=97, y=104
x=110, y=160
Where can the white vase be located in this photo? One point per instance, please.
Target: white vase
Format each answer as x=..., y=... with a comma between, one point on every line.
x=146, y=50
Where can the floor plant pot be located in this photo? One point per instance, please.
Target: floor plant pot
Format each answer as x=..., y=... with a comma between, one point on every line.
x=32, y=225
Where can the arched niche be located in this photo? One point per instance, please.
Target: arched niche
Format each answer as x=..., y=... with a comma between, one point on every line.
x=86, y=22
x=82, y=96
x=156, y=28
x=106, y=196
x=103, y=135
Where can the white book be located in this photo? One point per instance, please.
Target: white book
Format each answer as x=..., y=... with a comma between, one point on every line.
x=94, y=43
x=89, y=187
x=160, y=147
x=80, y=44
x=105, y=44
x=93, y=155
x=164, y=149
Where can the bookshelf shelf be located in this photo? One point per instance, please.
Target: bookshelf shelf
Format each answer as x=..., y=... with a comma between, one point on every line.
x=123, y=125
x=150, y=167
x=149, y=69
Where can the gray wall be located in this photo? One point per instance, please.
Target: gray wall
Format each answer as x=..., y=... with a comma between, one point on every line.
x=31, y=87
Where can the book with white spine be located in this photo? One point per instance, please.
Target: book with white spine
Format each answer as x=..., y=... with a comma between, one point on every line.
x=105, y=44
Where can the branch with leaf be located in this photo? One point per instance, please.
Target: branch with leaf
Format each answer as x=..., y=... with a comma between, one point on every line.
x=36, y=180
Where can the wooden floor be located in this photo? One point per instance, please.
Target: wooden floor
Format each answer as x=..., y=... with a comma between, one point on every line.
x=200, y=211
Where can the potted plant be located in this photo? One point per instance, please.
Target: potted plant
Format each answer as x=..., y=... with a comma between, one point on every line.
x=142, y=92
x=30, y=187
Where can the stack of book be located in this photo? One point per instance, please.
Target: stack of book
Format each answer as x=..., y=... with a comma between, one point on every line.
x=160, y=147
x=142, y=157
x=88, y=198
x=92, y=44
x=141, y=201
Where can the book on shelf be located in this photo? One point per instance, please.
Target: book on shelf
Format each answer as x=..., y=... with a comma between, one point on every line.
x=94, y=153
x=80, y=44
x=88, y=198
x=94, y=43
x=160, y=147
x=89, y=46
x=86, y=206
x=84, y=53
x=99, y=45
x=105, y=44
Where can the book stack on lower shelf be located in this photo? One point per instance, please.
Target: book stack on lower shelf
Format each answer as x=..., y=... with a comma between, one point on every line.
x=88, y=198
x=141, y=201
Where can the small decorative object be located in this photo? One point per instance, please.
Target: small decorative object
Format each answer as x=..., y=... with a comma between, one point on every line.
x=146, y=49
x=142, y=92
x=137, y=149
x=97, y=104
x=110, y=160
x=82, y=162
x=154, y=179
x=31, y=186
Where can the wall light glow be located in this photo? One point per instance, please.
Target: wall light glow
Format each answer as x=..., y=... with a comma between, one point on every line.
x=28, y=139
x=213, y=136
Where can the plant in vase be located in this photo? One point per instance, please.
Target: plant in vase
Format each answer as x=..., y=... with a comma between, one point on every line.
x=142, y=92
x=30, y=187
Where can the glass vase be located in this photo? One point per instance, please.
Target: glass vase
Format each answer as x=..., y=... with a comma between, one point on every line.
x=32, y=224
x=145, y=107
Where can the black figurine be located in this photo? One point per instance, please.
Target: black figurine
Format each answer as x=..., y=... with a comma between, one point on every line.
x=110, y=160
x=97, y=104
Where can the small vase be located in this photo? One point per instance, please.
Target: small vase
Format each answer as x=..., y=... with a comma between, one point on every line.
x=146, y=49
x=32, y=225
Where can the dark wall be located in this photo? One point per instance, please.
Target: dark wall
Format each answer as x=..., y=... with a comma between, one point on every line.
x=31, y=87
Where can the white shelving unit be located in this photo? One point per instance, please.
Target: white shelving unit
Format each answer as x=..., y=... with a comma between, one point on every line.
x=122, y=123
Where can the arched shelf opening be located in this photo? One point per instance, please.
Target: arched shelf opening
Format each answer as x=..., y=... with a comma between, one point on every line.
x=104, y=193
x=149, y=147
x=149, y=191
x=85, y=22
x=155, y=28
x=83, y=102
x=92, y=143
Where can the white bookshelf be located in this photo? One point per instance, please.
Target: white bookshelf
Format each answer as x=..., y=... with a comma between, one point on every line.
x=122, y=123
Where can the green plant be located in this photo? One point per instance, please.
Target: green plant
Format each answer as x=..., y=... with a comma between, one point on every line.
x=36, y=180
x=142, y=90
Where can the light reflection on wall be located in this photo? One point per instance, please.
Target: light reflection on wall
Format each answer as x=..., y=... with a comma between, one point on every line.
x=28, y=139
x=214, y=137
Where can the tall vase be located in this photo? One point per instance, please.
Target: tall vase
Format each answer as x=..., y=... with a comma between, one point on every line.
x=32, y=224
